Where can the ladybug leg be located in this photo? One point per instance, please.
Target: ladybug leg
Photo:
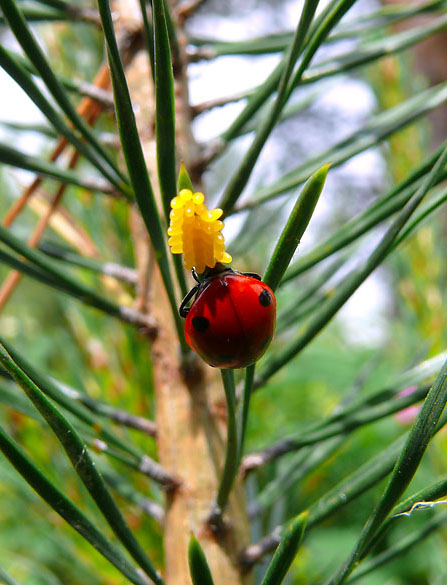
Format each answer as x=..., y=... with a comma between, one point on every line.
x=183, y=309
x=195, y=275
x=252, y=274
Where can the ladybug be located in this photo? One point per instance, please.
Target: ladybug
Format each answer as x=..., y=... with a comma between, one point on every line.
x=232, y=318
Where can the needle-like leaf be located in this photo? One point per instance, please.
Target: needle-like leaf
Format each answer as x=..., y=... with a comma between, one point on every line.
x=346, y=491
x=148, y=34
x=58, y=10
x=16, y=263
x=65, y=254
x=438, y=199
x=23, y=78
x=353, y=281
x=245, y=408
x=289, y=314
x=232, y=450
x=165, y=107
x=50, y=388
x=13, y=157
x=65, y=508
x=83, y=88
x=372, y=133
x=54, y=276
x=165, y=120
x=373, y=51
x=295, y=227
x=294, y=472
x=58, y=4
x=38, y=14
x=415, y=446
x=207, y=48
x=36, y=56
x=400, y=547
x=424, y=498
x=342, y=423
x=321, y=26
x=241, y=176
x=286, y=551
x=12, y=399
x=380, y=210
x=82, y=463
x=136, y=165
x=285, y=248
x=198, y=565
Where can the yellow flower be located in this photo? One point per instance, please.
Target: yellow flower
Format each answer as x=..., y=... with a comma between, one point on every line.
x=195, y=232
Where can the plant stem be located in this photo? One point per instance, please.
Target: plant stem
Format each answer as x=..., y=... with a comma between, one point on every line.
x=232, y=453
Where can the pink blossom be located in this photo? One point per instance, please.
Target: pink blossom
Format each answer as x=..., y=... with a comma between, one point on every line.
x=407, y=415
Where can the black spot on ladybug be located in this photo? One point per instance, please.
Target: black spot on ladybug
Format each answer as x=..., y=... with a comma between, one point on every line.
x=265, y=298
x=200, y=324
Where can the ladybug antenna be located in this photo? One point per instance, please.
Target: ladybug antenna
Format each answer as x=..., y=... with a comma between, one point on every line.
x=183, y=309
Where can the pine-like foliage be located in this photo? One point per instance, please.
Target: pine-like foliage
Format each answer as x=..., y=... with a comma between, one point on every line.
x=124, y=457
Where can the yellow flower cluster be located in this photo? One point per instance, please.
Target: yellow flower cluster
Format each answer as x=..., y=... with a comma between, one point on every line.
x=195, y=232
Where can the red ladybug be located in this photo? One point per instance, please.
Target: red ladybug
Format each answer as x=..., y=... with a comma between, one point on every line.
x=232, y=318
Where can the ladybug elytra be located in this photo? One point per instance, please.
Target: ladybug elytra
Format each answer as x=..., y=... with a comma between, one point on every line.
x=232, y=318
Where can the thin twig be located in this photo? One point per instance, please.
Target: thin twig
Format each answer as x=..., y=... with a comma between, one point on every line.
x=138, y=423
x=66, y=226
x=14, y=277
x=88, y=15
x=85, y=106
x=156, y=472
x=91, y=110
x=209, y=152
x=146, y=323
x=120, y=272
x=18, y=205
x=144, y=464
x=203, y=53
x=148, y=506
x=343, y=421
x=117, y=415
x=99, y=95
x=186, y=9
x=152, y=509
x=117, y=271
x=255, y=552
x=216, y=103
